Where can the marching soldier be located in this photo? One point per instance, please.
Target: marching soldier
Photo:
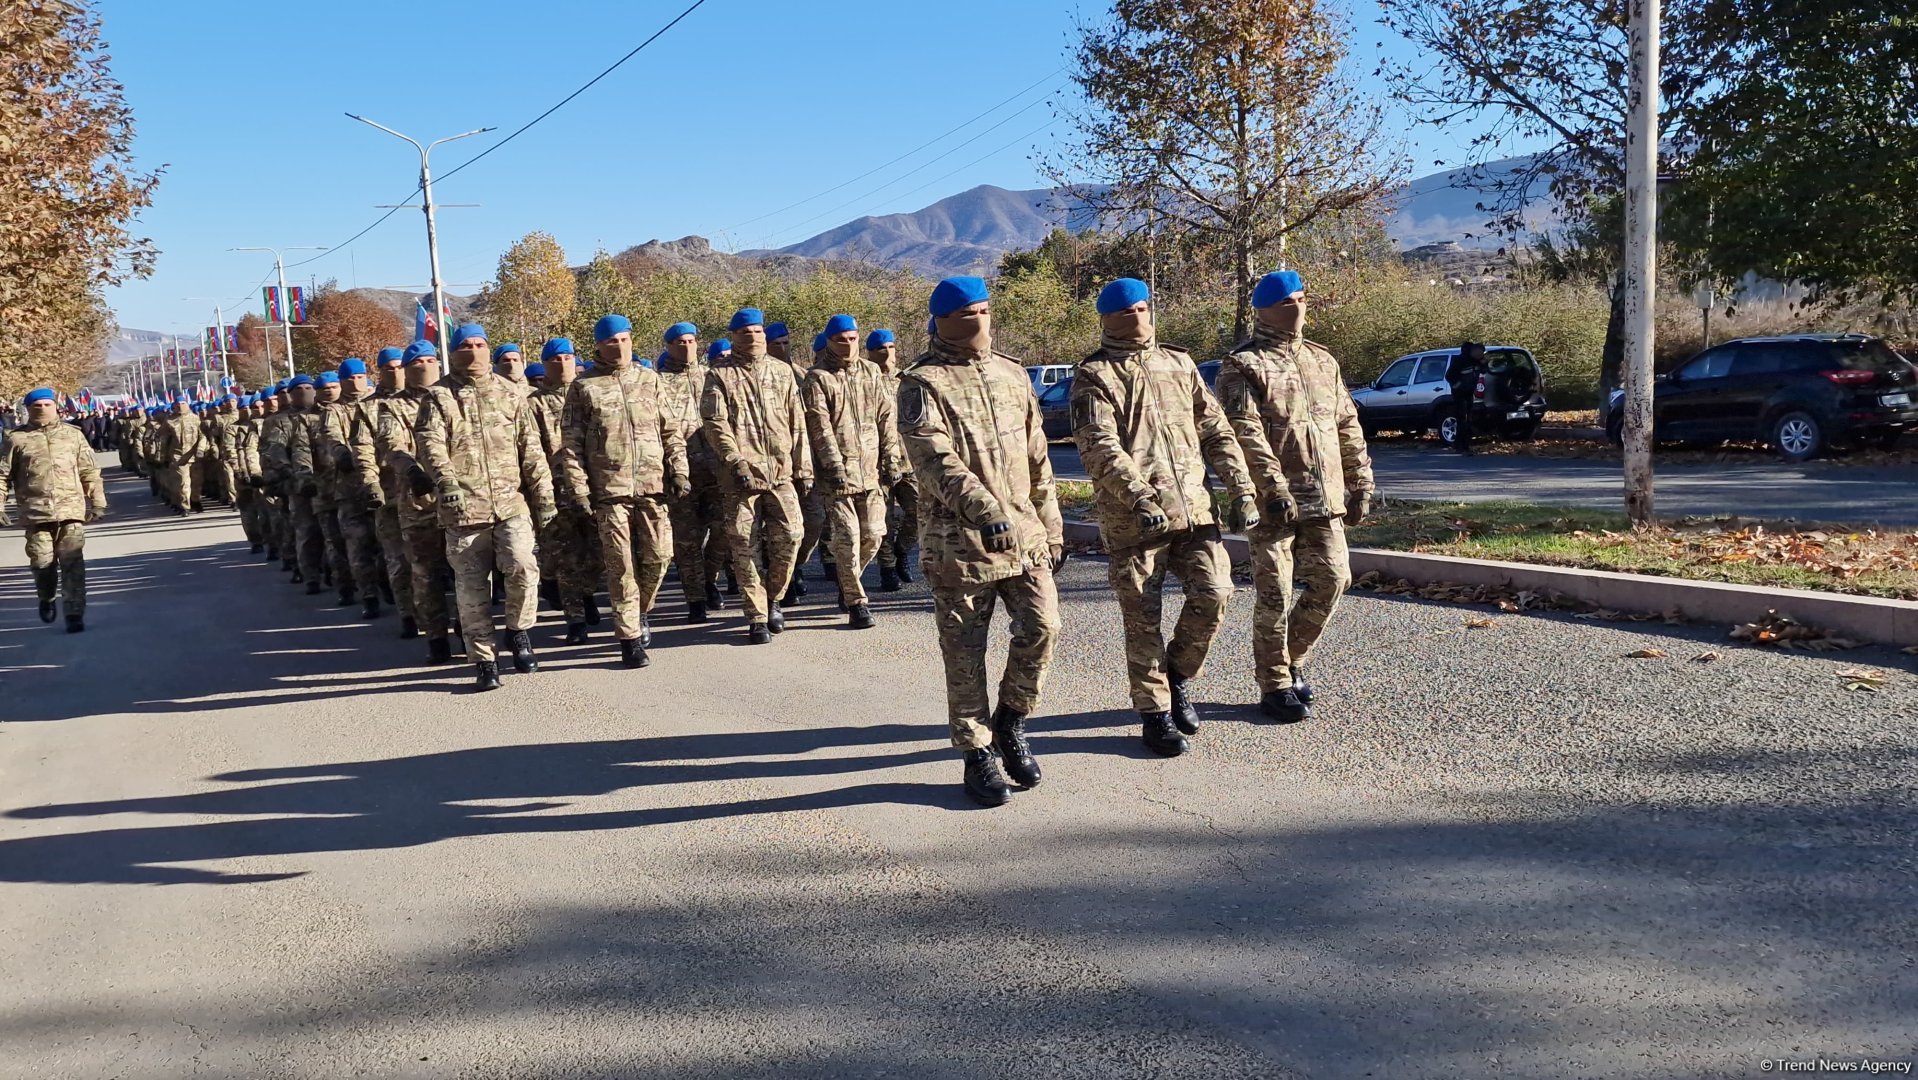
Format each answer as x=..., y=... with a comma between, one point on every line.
x=240, y=456
x=699, y=542
x=420, y=533
x=569, y=546
x=48, y=466
x=346, y=437
x=902, y=498
x=180, y=448
x=510, y=364
x=276, y=472
x=389, y=404
x=856, y=457
x=313, y=474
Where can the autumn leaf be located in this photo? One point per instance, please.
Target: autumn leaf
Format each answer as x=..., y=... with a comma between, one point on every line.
x=1479, y=622
x=1705, y=657
x=1645, y=654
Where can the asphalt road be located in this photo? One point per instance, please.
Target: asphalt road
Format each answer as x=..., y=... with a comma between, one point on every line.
x=241, y=834
x=1762, y=487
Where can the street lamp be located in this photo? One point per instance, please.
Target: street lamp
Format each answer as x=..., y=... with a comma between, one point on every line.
x=426, y=201
x=279, y=267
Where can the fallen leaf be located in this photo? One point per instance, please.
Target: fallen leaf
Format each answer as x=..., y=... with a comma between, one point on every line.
x=1479, y=623
x=1861, y=684
x=1910, y=650
x=1645, y=654
x=1705, y=657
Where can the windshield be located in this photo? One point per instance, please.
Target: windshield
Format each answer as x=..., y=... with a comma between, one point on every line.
x=1507, y=359
x=1867, y=354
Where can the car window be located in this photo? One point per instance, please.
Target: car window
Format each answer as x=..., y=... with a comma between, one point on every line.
x=1711, y=365
x=1397, y=375
x=1865, y=354
x=1761, y=359
x=1431, y=368
x=1507, y=359
x=1209, y=371
x=1056, y=393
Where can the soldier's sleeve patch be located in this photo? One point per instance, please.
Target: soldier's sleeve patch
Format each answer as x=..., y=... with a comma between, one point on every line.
x=912, y=404
x=1081, y=410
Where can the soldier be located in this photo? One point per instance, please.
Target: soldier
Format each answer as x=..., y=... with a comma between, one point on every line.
x=569, y=548
x=971, y=429
x=215, y=420
x=389, y=404
x=302, y=489
x=812, y=504
x=276, y=469
x=699, y=543
x=622, y=455
x=51, y=470
x=510, y=365
x=902, y=498
x=1301, y=437
x=1147, y=427
x=420, y=534
x=752, y=418
x=346, y=438
x=179, y=450
x=133, y=424
x=856, y=456
x=476, y=441
x=239, y=458
x=313, y=473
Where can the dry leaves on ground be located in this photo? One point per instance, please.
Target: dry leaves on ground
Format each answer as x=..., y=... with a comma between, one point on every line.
x=1645, y=654
x=1478, y=623
x=1785, y=632
x=1870, y=681
x=1705, y=657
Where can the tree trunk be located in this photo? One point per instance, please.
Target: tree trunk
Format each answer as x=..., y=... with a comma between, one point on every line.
x=1242, y=270
x=1612, y=357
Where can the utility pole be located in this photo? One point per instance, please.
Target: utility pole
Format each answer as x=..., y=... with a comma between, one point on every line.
x=432, y=229
x=1641, y=258
x=279, y=266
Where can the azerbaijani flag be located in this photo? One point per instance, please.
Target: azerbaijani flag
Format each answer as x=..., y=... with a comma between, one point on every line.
x=295, y=304
x=272, y=294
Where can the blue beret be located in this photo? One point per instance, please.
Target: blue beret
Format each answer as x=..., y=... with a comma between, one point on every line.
x=954, y=293
x=466, y=331
x=419, y=350
x=679, y=330
x=1275, y=287
x=819, y=343
x=228, y=397
x=608, y=325
x=714, y=350
x=745, y=317
x=504, y=349
x=352, y=365
x=555, y=347
x=839, y=324
x=536, y=371
x=300, y=380
x=327, y=378
x=879, y=339
x=775, y=331
x=1122, y=294
x=585, y=365
x=42, y=394
x=661, y=358
x=388, y=355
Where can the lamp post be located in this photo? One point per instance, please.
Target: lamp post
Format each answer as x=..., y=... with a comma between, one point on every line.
x=1641, y=257
x=279, y=267
x=219, y=331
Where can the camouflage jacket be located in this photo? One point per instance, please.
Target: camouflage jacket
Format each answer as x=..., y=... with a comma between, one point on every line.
x=1296, y=423
x=679, y=393
x=751, y=414
x=850, y=407
x=393, y=444
x=619, y=442
x=306, y=452
x=347, y=432
x=52, y=472
x=548, y=404
x=246, y=448
x=479, y=439
x=970, y=426
x=179, y=441
x=1147, y=427
x=276, y=439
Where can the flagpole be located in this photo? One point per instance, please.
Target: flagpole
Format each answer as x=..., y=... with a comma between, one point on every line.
x=219, y=338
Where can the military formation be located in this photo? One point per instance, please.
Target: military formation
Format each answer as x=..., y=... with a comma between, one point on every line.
x=503, y=483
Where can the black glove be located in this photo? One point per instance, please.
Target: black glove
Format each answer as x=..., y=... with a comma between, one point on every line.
x=96, y=512
x=309, y=487
x=342, y=458
x=1242, y=513
x=998, y=536
x=375, y=499
x=743, y=474
x=1281, y=511
x=420, y=483
x=1059, y=557
x=452, y=500
x=1358, y=507
x=1152, y=519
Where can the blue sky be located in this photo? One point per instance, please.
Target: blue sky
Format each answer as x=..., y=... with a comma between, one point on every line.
x=743, y=109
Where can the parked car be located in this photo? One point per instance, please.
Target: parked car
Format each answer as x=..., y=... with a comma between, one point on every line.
x=1044, y=375
x=1055, y=411
x=1411, y=395
x=1801, y=393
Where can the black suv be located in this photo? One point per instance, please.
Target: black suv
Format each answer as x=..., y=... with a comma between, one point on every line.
x=1801, y=393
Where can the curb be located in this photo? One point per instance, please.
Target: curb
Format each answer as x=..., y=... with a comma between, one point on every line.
x=1861, y=618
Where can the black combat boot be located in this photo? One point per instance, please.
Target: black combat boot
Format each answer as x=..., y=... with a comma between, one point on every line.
x=793, y=592
x=438, y=650
x=592, y=610
x=831, y=571
x=386, y=592
x=757, y=634
x=695, y=613
x=1300, y=684
x=75, y=624
x=632, y=653
x=714, y=601
x=1009, y=735
x=905, y=568
x=254, y=548
x=487, y=677
x=775, y=619
x=1162, y=735
x=860, y=618
x=732, y=583
x=314, y=588
x=46, y=611
x=370, y=607
x=409, y=627
x=576, y=633
x=984, y=780
x=1284, y=706
x=499, y=590
x=646, y=631
x=1183, y=714
x=549, y=593
x=888, y=579
x=522, y=645
x=348, y=594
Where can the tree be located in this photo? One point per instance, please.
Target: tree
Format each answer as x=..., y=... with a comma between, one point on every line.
x=1226, y=123
x=68, y=193
x=342, y=324
x=603, y=290
x=532, y=294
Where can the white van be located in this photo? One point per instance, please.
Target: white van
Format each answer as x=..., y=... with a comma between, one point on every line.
x=1044, y=375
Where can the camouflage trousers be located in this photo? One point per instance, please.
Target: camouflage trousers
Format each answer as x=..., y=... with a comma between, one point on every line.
x=474, y=552
x=284, y=536
x=569, y=555
x=699, y=543
x=246, y=502
x=425, y=544
x=1285, y=628
x=361, y=538
x=812, y=515
x=178, y=482
x=309, y=542
x=856, y=524
x=339, y=563
x=963, y=614
x=55, y=552
x=386, y=524
x=777, y=515
x=1198, y=559
x=902, y=523
x=636, y=544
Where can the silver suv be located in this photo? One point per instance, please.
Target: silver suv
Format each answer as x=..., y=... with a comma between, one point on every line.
x=1411, y=395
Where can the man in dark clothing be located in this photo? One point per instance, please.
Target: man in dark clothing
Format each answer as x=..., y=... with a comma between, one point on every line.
x=1462, y=374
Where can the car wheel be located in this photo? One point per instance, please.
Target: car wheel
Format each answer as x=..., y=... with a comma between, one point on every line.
x=1797, y=436
x=1448, y=429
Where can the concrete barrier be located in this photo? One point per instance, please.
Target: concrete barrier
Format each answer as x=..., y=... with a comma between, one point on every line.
x=1860, y=618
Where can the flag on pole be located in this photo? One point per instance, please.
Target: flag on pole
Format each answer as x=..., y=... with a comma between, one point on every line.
x=173, y=359
x=272, y=293
x=295, y=304
x=232, y=342
x=199, y=359
x=424, y=329
x=212, y=337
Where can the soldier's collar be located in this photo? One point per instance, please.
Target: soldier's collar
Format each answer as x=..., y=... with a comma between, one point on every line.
x=949, y=353
x=1264, y=336
x=1118, y=345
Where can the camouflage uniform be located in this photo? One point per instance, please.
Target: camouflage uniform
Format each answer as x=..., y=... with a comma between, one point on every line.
x=856, y=458
x=1146, y=427
x=241, y=456
x=569, y=545
x=699, y=543
x=1301, y=437
x=51, y=470
x=179, y=449
x=753, y=420
x=346, y=435
x=389, y=407
x=316, y=514
x=478, y=439
x=421, y=537
x=133, y=429
x=217, y=478
x=276, y=470
x=970, y=426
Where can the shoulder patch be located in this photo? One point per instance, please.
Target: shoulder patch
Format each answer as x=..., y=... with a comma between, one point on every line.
x=912, y=403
